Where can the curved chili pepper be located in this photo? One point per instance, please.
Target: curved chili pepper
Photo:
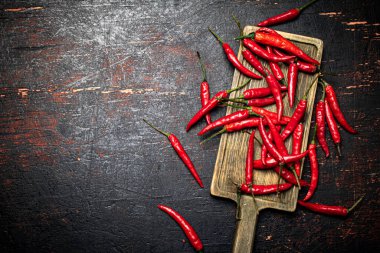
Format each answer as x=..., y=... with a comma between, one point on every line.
x=185, y=226
x=280, y=145
x=264, y=189
x=261, y=52
x=264, y=150
x=274, y=86
x=251, y=59
x=320, y=120
x=257, y=102
x=302, y=66
x=271, y=148
x=176, y=144
x=249, y=159
x=329, y=210
x=231, y=56
x=313, y=167
x=205, y=89
x=289, y=176
x=286, y=16
x=259, y=92
x=292, y=81
x=335, y=108
x=333, y=127
x=296, y=146
x=271, y=162
x=214, y=101
x=276, y=40
x=276, y=70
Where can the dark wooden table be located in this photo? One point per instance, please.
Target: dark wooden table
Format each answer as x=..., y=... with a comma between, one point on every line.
x=81, y=172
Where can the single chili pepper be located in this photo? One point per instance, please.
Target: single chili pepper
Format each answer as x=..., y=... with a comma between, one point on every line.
x=261, y=52
x=327, y=209
x=320, y=120
x=296, y=146
x=313, y=167
x=251, y=59
x=176, y=144
x=335, y=108
x=274, y=86
x=205, y=89
x=289, y=177
x=276, y=70
x=302, y=66
x=292, y=81
x=333, y=127
x=271, y=162
x=249, y=159
x=264, y=189
x=259, y=92
x=185, y=226
x=257, y=102
x=271, y=148
x=280, y=145
x=214, y=101
x=231, y=56
x=276, y=40
x=286, y=16
x=264, y=150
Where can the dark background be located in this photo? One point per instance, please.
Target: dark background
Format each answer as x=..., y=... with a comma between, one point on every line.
x=81, y=172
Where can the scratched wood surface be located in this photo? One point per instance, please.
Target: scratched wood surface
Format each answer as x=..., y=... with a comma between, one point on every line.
x=81, y=172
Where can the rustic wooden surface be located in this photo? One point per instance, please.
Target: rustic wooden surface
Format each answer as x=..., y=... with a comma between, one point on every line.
x=81, y=172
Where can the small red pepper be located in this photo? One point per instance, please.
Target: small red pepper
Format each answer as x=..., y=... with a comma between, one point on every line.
x=271, y=148
x=286, y=16
x=257, y=102
x=335, y=108
x=185, y=226
x=261, y=52
x=264, y=189
x=280, y=145
x=264, y=150
x=313, y=167
x=205, y=89
x=251, y=59
x=274, y=86
x=302, y=66
x=292, y=81
x=276, y=70
x=259, y=92
x=249, y=159
x=327, y=209
x=271, y=162
x=320, y=120
x=176, y=144
x=231, y=56
x=289, y=177
x=296, y=146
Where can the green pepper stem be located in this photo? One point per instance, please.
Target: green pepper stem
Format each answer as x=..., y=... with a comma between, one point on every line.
x=238, y=24
x=338, y=149
x=202, y=67
x=216, y=36
x=354, y=205
x=306, y=5
x=261, y=144
x=158, y=130
x=241, y=101
x=237, y=107
x=248, y=36
x=212, y=136
x=239, y=87
x=296, y=176
x=323, y=92
x=314, y=133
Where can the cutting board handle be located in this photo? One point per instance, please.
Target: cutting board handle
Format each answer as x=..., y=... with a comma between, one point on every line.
x=246, y=226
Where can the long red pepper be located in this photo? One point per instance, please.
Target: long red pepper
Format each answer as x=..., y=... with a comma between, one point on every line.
x=333, y=127
x=297, y=145
x=214, y=101
x=257, y=102
x=176, y=144
x=271, y=162
x=289, y=177
x=286, y=16
x=274, y=86
x=276, y=40
x=313, y=167
x=205, y=89
x=264, y=150
x=327, y=209
x=335, y=108
x=320, y=120
x=261, y=52
x=259, y=92
x=280, y=145
x=231, y=56
x=249, y=159
x=302, y=66
x=271, y=148
x=292, y=82
x=264, y=189
x=276, y=70
x=185, y=226
x=251, y=59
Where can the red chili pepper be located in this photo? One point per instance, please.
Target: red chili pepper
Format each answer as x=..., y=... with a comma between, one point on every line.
x=292, y=81
x=259, y=92
x=205, y=89
x=271, y=162
x=327, y=209
x=320, y=120
x=249, y=159
x=185, y=226
x=302, y=66
x=289, y=176
x=276, y=40
x=264, y=189
x=313, y=167
x=257, y=102
x=274, y=86
x=335, y=108
x=296, y=146
x=176, y=144
x=261, y=52
x=280, y=145
x=251, y=59
x=286, y=16
x=271, y=148
x=214, y=101
x=276, y=70
x=264, y=150
x=333, y=127
x=231, y=56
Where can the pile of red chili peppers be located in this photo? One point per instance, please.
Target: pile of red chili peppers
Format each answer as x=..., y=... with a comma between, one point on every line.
x=274, y=128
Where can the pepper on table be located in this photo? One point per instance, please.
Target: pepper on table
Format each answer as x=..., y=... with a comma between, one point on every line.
x=274, y=86
x=185, y=226
x=271, y=162
x=271, y=148
x=257, y=102
x=264, y=189
x=176, y=144
x=258, y=92
x=292, y=82
x=249, y=159
x=313, y=167
x=251, y=59
x=333, y=127
x=297, y=145
x=205, y=89
x=320, y=120
x=302, y=66
x=276, y=70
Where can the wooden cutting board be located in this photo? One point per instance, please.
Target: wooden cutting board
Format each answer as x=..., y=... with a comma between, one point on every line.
x=230, y=162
